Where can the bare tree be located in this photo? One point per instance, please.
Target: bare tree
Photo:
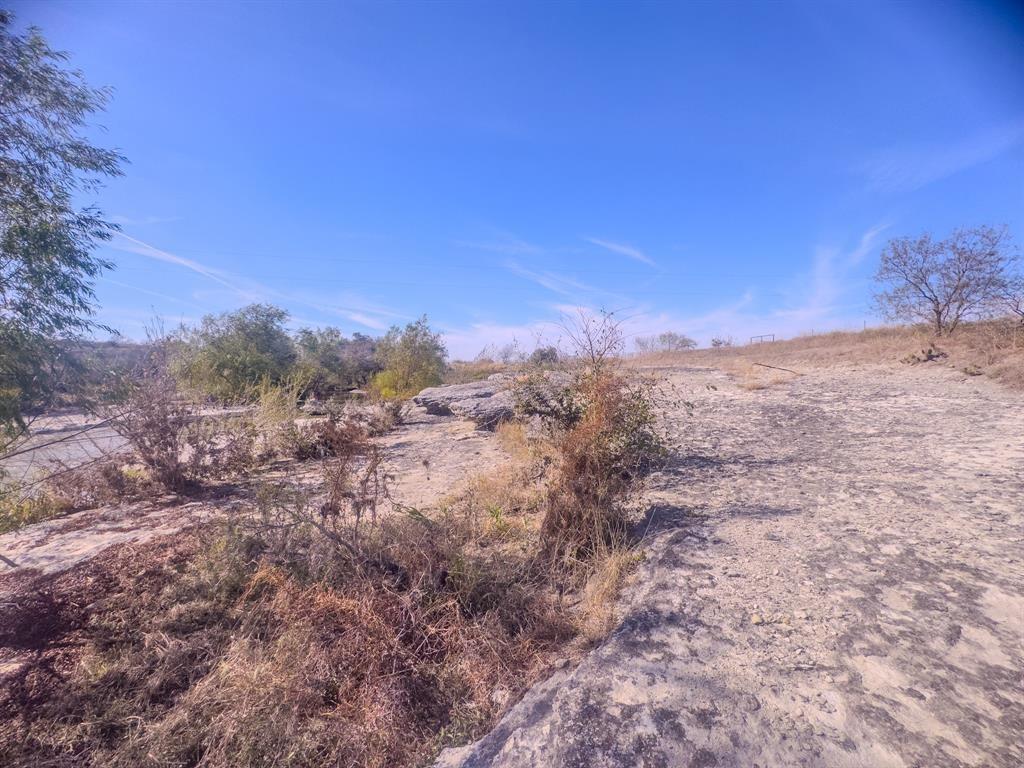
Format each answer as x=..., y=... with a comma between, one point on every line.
x=943, y=282
x=596, y=338
x=1012, y=297
x=669, y=341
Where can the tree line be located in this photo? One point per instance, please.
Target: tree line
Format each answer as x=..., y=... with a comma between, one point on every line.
x=49, y=264
x=227, y=355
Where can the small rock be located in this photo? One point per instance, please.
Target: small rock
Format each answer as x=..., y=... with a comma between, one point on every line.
x=756, y=619
x=749, y=703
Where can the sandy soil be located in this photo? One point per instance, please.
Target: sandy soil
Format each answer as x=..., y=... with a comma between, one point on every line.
x=834, y=578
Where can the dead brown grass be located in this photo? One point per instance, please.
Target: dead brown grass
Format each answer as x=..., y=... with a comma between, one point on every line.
x=463, y=372
x=263, y=644
x=596, y=615
x=605, y=441
x=309, y=630
x=995, y=348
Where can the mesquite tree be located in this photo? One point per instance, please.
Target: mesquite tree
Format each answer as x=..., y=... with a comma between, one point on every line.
x=944, y=282
x=47, y=263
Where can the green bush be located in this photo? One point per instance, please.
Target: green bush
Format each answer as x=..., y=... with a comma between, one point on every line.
x=228, y=355
x=412, y=359
x=18, y=508
x=332, y=363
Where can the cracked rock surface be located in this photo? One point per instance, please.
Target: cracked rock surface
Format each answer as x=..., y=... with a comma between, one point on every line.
x=487, y=403
x=833, y=578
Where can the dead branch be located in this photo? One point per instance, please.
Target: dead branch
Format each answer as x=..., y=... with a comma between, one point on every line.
x=776, y=368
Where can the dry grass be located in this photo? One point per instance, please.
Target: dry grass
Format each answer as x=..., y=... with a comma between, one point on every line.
x=64, y=490
x=513, y=438
x=309, y=630
x=752, y=378
x=605, y=441
x=265, y=643
x=596, y=615
x=461, y=372
x=19, y=508
x=995, y=348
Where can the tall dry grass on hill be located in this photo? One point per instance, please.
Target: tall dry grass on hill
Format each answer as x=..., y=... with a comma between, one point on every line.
x=994, y=348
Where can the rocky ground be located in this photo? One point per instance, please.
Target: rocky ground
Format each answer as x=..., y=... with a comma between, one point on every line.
x=428, y=458
x=834, y=577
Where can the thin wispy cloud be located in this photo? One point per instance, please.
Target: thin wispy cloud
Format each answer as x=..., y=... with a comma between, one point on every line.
x=622, y=249
x=909, y=168
x=820, y=301
x=129, y=244
x=350, y=307
x=503, y=243
x=869, y=242
x=562, y=284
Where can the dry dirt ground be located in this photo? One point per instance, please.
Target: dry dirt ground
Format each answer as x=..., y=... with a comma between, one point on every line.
x=834, y=577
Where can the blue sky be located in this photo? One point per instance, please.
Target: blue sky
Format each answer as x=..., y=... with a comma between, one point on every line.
x=716, y=169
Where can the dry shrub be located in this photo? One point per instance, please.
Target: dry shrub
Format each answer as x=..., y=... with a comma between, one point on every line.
x=604, y=433
x=385, y=416
x=273, y=641
x=179, y=447
x=326, y=437
x=603, y=456
x=107, y=481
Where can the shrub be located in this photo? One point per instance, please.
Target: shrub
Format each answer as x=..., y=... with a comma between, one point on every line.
x=386, y=416
x=169, y=435
x=263, y=641
x=230, y=354
x=542, y=356
x=333, y=363
x=106, y=481
x=604, y=430
x=20, y=506
x=604, y=451
x=411, y=359
x=669, y=341
x=718, y=342
x=64, y=490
